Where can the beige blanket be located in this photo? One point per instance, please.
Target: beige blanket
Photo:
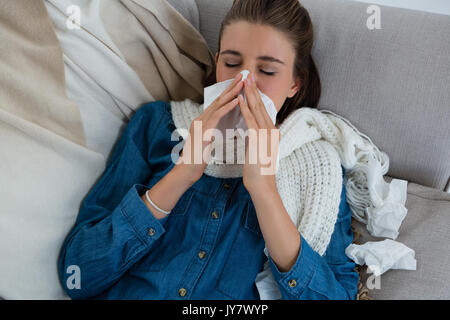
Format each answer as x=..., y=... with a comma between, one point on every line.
x=164, y=49
x=123, y=54
x=31, y=71
x=46, y=167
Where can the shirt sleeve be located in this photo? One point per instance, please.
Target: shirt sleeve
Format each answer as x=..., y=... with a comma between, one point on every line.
x=114, y=228
x=328, y=277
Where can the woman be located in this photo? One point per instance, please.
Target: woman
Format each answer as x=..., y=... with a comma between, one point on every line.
x=154, y=229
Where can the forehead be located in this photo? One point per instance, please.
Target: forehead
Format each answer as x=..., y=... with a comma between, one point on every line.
x=256, y=40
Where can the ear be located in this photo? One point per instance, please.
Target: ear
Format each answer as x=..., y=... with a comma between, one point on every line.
x=296, y=85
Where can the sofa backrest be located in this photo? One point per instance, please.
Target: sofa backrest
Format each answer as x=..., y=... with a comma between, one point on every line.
x=392, y=83
x=188, y=10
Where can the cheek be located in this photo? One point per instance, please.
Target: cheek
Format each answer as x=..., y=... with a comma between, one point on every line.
x=275, y=91
x=223, y=73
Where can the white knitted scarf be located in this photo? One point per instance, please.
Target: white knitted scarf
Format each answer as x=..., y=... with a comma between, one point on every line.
x=313, y=145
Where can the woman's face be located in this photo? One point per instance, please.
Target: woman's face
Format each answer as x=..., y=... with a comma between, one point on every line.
x=265, y=52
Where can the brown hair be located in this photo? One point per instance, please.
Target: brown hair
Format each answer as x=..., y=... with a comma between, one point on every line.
x=291, y=18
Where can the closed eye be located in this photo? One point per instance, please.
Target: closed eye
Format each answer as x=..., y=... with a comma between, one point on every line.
x=231, y=65
x=237, y=65
x=268, y=73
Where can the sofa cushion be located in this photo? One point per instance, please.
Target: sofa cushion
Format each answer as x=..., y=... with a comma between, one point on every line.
x=425, y=230
x=392, y=83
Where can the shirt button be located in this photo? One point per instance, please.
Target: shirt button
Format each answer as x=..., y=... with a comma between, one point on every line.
x=292, y=283
x=215, y=214
x=182, y=292
x=227, y=186
x=201, y=254
x=151, y=231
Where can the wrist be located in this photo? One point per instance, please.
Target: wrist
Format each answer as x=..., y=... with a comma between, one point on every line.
x=265, y=189
x=185, y=174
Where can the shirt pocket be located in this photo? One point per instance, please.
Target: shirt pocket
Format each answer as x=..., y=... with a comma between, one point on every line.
x=245, y=259
x=183, y=203
x=166, y=249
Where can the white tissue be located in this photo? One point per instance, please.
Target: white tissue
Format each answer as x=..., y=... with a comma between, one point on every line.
x=381, y=256
x=388, y=211
x=234, y=119
x=266, y=284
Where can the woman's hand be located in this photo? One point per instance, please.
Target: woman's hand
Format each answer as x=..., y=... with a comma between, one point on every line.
x=197, y=148
x=263, y=142
x=280, y=234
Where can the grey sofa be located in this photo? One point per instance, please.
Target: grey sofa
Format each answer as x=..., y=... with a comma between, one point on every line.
x=393, y=84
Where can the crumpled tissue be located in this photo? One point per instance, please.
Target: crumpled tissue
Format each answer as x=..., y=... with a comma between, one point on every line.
x=266, y=284
x=381, y=256
x=234, y=118
x=386, y=214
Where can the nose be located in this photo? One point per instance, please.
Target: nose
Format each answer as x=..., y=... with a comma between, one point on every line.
x=251, y=71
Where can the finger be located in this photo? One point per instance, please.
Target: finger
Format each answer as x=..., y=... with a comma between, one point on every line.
x=235, y=85
x=231, y=94
x=237, y=79
x=252, y=128
x=250, y=120
x=262, y=108
x=254, y=105
x=219, y=113
x=224, y=98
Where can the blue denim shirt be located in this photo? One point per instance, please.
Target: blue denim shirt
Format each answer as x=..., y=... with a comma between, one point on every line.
x=209, y=247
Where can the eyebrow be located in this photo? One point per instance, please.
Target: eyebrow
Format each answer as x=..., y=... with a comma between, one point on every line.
x=264, y=58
